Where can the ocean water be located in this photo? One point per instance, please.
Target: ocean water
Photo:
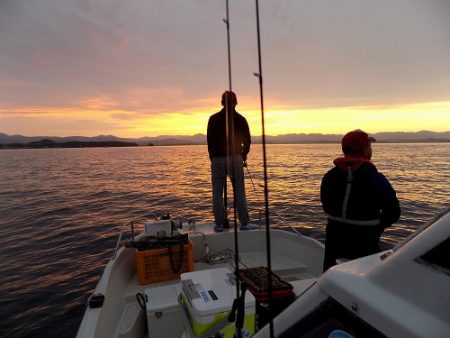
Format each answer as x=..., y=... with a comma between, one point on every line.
x=61, y=211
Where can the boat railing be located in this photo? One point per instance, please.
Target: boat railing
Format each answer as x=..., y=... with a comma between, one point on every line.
x=130, y=223
x=118, y=244
x=259, y=221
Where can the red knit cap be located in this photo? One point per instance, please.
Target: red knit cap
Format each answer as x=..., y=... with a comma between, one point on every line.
x=356, y=140
x=231, y=96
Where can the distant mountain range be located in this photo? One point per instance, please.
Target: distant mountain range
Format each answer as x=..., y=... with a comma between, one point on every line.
x=420, y=136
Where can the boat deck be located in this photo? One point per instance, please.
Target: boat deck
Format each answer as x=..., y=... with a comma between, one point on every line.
x=296, y=259
x=290, y=270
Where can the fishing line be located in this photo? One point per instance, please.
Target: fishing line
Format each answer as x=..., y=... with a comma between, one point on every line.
x=250, y=176
x=266, y=189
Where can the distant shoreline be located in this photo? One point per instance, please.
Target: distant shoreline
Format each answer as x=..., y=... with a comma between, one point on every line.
x=19, y=141
x=117, y=144
x=46, y=144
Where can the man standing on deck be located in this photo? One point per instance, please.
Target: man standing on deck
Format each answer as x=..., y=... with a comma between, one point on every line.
x=228, y=135
x=359, y=201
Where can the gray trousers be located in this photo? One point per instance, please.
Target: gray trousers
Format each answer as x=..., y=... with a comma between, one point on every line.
x=219, y=176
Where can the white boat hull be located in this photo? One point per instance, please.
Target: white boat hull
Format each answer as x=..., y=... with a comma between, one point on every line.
x=296, y=258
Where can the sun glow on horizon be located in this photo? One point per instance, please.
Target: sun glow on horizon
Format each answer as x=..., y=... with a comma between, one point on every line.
x=432, y=116
x=93, y=120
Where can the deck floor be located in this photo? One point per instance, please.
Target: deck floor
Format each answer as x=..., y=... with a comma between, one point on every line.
x=290, y=270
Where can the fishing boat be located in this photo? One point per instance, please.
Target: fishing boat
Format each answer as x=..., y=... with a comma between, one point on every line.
x=402, y=292
x=180, y=279
x=114, y=310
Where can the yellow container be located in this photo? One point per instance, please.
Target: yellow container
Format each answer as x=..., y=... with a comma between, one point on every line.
x=197, y=326
x=206, y=299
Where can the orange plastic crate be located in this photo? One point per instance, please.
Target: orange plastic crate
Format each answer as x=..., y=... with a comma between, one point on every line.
x=155, y=265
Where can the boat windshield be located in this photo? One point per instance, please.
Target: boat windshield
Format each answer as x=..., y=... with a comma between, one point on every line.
x=438, y=257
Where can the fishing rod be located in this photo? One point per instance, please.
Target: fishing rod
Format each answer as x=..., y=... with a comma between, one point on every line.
x=227, y=23
x=229, y=123
x=228, y=117
x=229, y=127
x=238, y=307
x=259, y=75
x=225, y=188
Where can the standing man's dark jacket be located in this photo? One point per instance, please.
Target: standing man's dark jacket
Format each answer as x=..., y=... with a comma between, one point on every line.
x=216, y=135
x=356, y=219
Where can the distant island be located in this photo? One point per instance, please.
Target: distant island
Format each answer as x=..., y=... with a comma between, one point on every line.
x=47, y=143
x=19, y=141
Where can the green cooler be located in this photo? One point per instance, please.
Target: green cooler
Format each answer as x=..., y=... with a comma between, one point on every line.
x=206, y=299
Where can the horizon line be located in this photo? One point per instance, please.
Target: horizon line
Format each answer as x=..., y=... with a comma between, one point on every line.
x=204, y=134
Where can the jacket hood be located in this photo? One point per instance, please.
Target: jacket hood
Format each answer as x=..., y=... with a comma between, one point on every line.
x=354, y=162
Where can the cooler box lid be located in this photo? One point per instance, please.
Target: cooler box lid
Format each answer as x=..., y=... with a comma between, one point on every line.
x=162, y=297
x=212, y=291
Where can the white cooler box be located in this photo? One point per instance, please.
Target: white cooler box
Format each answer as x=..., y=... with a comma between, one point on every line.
x=206, y=299
x=164, y=319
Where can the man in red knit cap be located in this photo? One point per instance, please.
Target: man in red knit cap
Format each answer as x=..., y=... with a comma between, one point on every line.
x=359, y=201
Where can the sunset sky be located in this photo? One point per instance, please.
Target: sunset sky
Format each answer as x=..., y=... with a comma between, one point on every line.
x=158, y=67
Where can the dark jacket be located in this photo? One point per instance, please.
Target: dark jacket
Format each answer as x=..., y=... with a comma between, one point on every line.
x=356, y=222
x=216, y=135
